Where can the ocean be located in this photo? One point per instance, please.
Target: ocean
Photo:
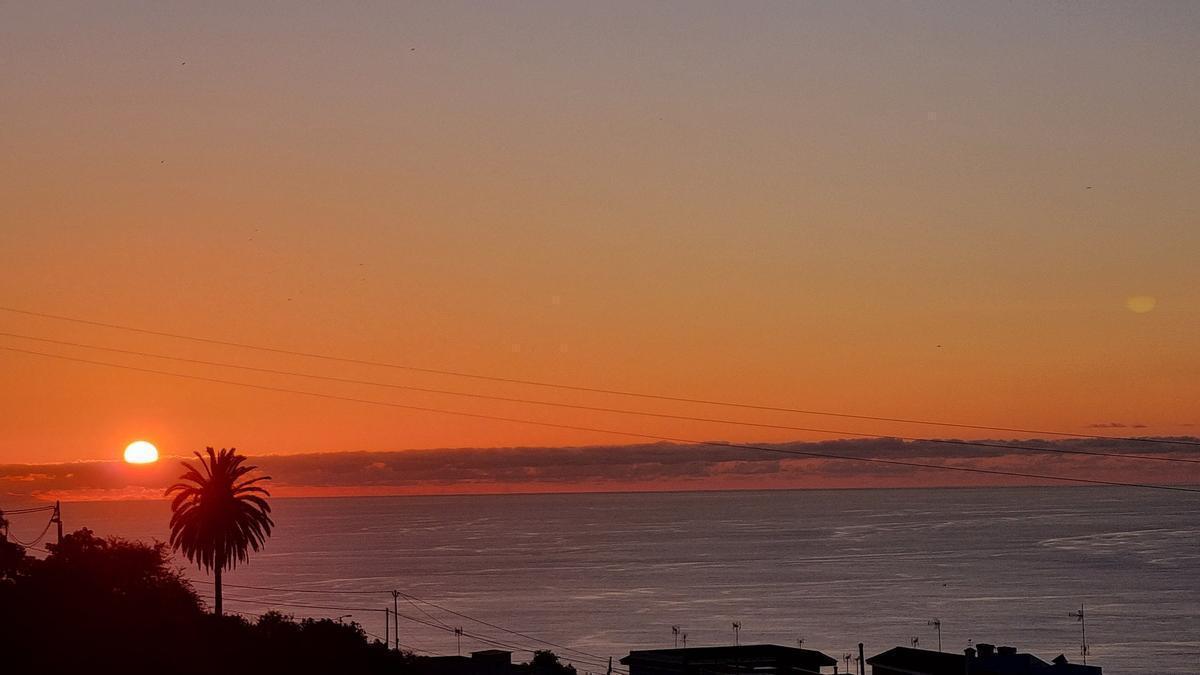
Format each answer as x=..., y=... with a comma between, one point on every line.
x=607, y=573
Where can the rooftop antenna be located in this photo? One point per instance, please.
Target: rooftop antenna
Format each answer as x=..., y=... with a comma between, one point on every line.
x=683, y=638
x=1083, y=645
x=800, y=642
x=916, y=642
x=675, y=635
x=458, y=635
x=846, y=657
x=936, y=623
x=737, y=633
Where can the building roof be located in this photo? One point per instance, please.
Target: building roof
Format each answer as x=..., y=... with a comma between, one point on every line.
x=989, y=661
x=744, y=656
x=923, y=661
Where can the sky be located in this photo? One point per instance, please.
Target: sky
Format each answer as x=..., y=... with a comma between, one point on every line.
x=972, y=212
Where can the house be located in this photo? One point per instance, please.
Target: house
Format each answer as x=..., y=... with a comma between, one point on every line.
x=486, y=662
x=748, y=659
x=985, y=659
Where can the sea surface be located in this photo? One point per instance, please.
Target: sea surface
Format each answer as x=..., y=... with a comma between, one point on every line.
x=607, y=573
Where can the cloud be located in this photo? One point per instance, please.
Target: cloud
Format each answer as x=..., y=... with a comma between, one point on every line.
x=1115, y=425
x=647, y=466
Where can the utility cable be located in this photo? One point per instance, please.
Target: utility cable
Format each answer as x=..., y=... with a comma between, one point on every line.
x=655, y=437
x=579, y=388
x=619, y=411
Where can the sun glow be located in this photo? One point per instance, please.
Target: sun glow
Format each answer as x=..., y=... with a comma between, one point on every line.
x=141, y=452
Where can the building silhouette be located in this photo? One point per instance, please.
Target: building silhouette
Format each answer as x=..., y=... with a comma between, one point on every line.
x=985, y=659
x=739, y=660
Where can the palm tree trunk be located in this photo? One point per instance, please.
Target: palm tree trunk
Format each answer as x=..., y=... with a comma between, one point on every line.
x=217, y=583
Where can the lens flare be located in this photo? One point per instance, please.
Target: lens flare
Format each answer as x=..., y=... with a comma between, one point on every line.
x=1141, y=303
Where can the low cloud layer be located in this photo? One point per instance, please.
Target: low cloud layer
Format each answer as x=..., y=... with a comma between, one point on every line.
x=632, y=467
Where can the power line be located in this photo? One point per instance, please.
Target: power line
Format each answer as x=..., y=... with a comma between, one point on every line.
x=252, y=615
x=580, y=388
x=620, y=411
x=508, y=630
x=410, y=598
x=27, y=510
x=36, y=540
x=481, y=638
x=655, y=437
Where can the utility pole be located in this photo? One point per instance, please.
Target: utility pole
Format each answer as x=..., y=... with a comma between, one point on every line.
x=675, y=634
x=396, y=611
x=936, y=623
x=57, y=518
x=387, y=626
x=737, y=633
x=1083, y=645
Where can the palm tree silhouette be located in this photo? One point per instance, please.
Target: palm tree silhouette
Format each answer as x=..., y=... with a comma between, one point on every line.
x=218, y=516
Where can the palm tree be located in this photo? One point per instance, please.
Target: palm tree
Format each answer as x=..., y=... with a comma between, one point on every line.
x=218, y=516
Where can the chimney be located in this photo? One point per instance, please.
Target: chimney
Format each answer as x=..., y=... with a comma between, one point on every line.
x=970, y=652
x=1008, y=651
x=986, y=651
x=862, y=663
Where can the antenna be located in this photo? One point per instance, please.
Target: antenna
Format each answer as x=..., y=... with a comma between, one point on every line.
x=800, y=641
x=916, y=642
x=1084, y=649
x=737, y=633
x=683, y=638
x=936, y=623
x=846, y=657
x=675, y=634
x=458, y=635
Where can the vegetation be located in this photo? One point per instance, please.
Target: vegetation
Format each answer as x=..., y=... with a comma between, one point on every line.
x=112, y=605
x=219, y=514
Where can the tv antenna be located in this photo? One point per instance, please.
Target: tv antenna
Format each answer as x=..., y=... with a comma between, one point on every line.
x=737, y=633
x=1084, y=649
x=936, y=623
x=916, y=642
x=458, y=634
x=800, y=641
x=846, y=657
x=683, y=639
x=675, y=635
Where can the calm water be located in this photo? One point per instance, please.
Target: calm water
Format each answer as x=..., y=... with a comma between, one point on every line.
x=609, y=573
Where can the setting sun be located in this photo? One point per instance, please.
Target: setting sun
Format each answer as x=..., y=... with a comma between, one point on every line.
x=141, y=452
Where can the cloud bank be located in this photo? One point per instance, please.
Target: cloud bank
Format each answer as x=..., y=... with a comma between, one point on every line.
x=659, y=466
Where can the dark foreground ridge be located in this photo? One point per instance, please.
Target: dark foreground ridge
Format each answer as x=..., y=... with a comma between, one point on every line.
x=115, y=606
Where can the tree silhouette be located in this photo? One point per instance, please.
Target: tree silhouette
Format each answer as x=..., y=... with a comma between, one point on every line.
x=219, y=515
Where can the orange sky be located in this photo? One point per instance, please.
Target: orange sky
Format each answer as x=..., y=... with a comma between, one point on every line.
x=880, y=209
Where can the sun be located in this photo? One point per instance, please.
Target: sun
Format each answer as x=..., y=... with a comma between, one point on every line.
x=141, y=452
